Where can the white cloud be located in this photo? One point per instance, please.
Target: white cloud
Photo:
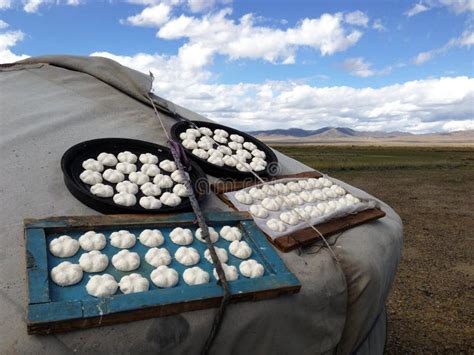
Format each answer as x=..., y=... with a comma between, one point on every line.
x=357, y=18
x=440, y=104
x=216, y=33
x=358, y=67
x=153, y=16
x=378, y=25
x=201, y=5
x=5, y=4
x=417, y=9
x=3, y=25
x=8, y=40
x=456, y=6
x=465, y=40
x=32, y=6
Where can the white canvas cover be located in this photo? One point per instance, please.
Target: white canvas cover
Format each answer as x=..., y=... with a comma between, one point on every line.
x=48, y=104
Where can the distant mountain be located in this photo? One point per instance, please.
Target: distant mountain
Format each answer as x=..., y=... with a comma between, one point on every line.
x=346, y=135
x=324, y=132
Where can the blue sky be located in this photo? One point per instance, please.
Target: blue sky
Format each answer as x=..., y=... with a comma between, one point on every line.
x=369, y=65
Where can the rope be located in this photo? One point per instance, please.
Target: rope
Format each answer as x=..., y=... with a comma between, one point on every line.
x=178, y=154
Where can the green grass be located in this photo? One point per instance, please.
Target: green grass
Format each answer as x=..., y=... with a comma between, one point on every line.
x=356, y=158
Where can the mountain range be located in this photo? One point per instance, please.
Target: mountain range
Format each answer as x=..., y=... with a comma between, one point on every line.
x=347, y=135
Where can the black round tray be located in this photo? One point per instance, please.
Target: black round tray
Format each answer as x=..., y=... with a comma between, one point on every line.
x=226, y=171
x=71, y=165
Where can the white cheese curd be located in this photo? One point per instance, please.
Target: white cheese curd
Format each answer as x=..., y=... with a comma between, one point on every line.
x=138, y=178
x=257, y=165
x=150, y=189
x=230, y=233
x=181, y=236
x=170, y=199
x=184, y=136
x=237, y=138
x=235, y=146
x=315, y=183
x=244, y=154
x=168, y=165
x=125, y=199
x=101, y=285
x=332, y=206
x=189, y=144
x=180, y=190
x=126, y=168
x=243, y=197
x=295, y=199
x=92, y=241
x=220, y=139
x=127, y=187
x=90, y=177
x=205, y=144
x=66, y=274
x=102, y=190
x=150, y=169
x=281, y=189
x=215, y=153
x=313, y=211
x=158, y=256
x=259, y=161
x=150, y=203
x=256, y=193
x=64, y=246
x=269, y=190
x=290, y=217
x=151, y=238
x=304, y=185
x=126, y=260
x=283, y=201
x=293, y=186
x=113, y=176
x=127, y=156
x=221, y=132
x=240, y=249
x=216, y=160
x=244, y=167
x=177, y=176
x=259, y=153
x=322, y=206
x=325, y=182
x=224, y=150
x=133, y=283
x=213, y=235
x=276, y=225
x=318, y=195
x=205, y=131
x=122, y=239
x=271, y=204
x=307, y=196
x=201, y=153
x=230, y=160
x=220, y=252
x=193, y=132
x=163, y=181
x=148, y=158
x=107, y=159
x=251, y=268
x=164, y=277
x=93, y=261
x=329, y=193
x=92, y=164
x=249, y=146
x=339, y=190
x=187, y=256
x=258, y=211
x=195, y=276
x=230, y=272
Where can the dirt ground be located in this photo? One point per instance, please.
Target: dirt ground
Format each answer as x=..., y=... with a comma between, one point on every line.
x=431, y=306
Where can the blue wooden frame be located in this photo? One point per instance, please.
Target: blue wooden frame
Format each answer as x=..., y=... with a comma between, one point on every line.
x=47, y=315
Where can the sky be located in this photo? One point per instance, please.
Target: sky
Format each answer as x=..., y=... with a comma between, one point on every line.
x=368, y=65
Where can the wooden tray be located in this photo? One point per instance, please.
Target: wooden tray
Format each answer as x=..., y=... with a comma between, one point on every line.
x=54, y=309
x=306, y=236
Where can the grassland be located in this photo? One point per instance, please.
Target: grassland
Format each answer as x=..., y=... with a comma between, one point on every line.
x=431, y=306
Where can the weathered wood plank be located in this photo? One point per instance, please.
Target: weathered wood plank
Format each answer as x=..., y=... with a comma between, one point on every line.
x=37, y=266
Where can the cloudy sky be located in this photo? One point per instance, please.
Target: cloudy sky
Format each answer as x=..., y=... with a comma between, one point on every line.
x=368, y=65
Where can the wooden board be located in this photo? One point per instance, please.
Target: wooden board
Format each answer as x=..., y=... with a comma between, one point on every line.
x=222, y=187
x=306, y=236
x=53, y=309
